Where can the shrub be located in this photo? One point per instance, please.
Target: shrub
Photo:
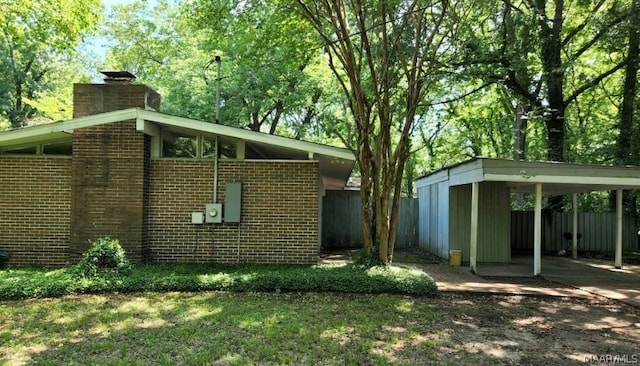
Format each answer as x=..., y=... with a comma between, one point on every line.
x=25, y=283
x=105, y=256
x=4, y=258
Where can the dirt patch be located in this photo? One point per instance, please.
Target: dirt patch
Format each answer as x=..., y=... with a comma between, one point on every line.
x=530, y=327
x=502, y=329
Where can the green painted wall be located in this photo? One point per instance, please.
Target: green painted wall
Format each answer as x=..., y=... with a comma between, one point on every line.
x=494, y=222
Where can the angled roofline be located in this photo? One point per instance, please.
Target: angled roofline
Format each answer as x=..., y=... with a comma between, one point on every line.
x=522, y=176
x=61, y=129
x=247, y=135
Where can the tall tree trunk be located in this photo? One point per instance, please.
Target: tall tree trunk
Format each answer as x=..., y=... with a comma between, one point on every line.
x=628, y=150
x=551, y=55
x=553, y=77
x=409, y=173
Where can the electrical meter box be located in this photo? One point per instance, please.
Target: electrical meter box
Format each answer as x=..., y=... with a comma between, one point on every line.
x=213, y=213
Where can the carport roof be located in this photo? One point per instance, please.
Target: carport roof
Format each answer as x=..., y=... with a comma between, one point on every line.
x=522, y=176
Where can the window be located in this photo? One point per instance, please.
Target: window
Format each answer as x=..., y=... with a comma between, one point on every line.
x=177, y=145
x=181, y=145
x=208, y=147
x=61, y=148
x=29, y=150
x=64, y=148
x=227, y=149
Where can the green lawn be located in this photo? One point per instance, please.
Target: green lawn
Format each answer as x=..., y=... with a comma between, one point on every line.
x=218, y=328
x=267, y=314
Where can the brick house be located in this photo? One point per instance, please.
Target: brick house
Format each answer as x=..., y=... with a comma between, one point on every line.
x=171, y=189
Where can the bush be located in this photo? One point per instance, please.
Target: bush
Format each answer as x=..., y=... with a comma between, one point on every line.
x=4, y=258
x=25, y=283
x=105, y=256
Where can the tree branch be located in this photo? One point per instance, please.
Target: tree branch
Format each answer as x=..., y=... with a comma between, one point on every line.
x=582, y=25
x=594, y=82
x=606, y=29
x=460, y=97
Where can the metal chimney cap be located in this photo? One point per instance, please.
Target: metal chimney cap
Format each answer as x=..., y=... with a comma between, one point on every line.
x=117, y=75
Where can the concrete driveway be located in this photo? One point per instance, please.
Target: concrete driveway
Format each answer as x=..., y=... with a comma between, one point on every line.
x=600, y=277
x=560, y=277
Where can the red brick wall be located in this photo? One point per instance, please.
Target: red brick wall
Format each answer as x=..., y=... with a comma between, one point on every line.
x=110, y=164
x=108, y=187
x=279, y=212
x=89, y=99
x=35, y=214
x=55, y=207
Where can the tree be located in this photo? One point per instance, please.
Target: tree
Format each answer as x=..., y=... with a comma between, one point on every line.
x=627, y=150
x=385, y=55
x=557, y=39
x=271, y=75
x=627, y=153
x=34, y=36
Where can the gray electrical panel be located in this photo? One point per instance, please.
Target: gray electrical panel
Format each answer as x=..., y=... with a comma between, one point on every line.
x=233, y=202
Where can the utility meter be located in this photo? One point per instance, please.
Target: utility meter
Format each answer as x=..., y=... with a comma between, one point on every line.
x=213, y=213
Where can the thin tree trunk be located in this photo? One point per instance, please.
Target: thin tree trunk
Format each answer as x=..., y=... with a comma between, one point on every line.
x=626, y=153
x=520, y=124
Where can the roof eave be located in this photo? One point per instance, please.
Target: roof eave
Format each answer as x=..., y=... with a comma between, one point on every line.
x=57, y=130
x=147, y=122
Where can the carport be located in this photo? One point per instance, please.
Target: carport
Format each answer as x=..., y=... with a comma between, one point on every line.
x=482, y=186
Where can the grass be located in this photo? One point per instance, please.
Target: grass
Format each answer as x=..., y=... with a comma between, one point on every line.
x=217, y=328
x=268, y=314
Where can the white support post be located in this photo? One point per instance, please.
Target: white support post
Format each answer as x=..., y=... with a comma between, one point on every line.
x=574, y=236
x=618, y=259
x=473, y=243
x=537, y=232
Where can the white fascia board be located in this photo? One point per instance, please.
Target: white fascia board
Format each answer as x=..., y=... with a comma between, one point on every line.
x=581, y=180
x=143, y=117
x=246, y=135
x=148, y=128
x=466, y=177
x=434, y=178
x=53, y=130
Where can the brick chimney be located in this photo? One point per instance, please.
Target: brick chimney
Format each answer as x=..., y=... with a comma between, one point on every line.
x=118, y=92
x=110, y=167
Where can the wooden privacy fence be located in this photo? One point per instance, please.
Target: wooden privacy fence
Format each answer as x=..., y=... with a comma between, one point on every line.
x=598, y=231
x=341, y=226
x=341, y=221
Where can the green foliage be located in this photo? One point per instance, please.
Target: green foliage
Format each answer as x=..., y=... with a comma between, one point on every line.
x=222, y=328
x=565, y=71
x=272, y=76
x=387, y=57
x=4, y=258
x=105, y=257
x=368, y=261
x=28, y=283
x=38, y=37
